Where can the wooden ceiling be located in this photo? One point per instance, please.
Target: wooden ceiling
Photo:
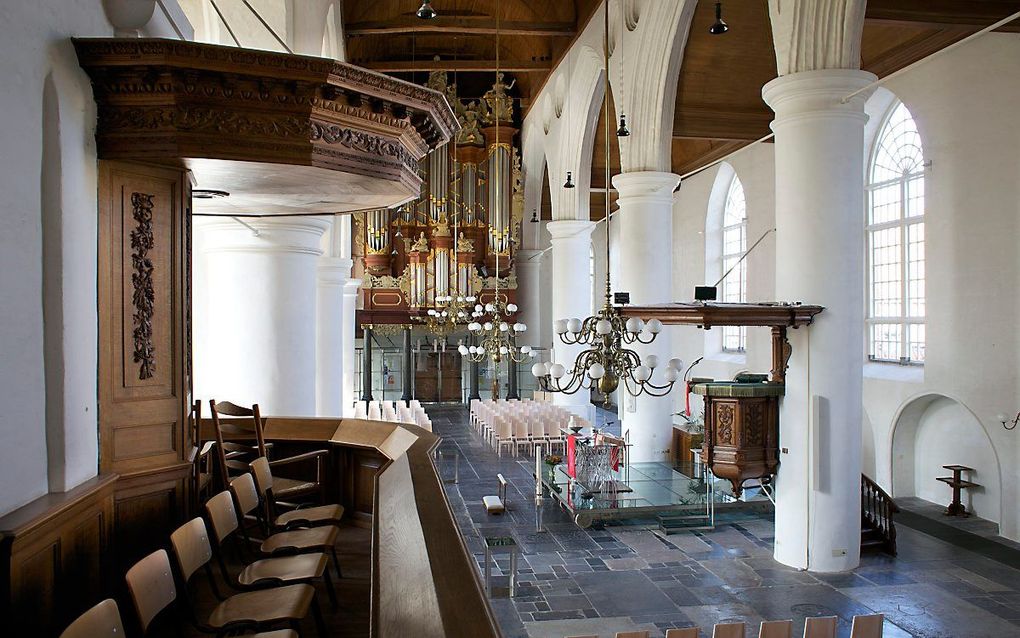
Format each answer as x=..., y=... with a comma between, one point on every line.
x=718, y=104
x=385, y=35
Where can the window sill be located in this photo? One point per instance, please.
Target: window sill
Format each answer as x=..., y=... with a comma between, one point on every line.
x=729, y=357
x=894, y=372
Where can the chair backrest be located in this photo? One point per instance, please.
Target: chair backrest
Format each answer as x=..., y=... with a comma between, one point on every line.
x=151, y=586
x=263, y=475
x=191, y=547
x=102, y=621
x=867, y=626
x=196, y=419
x=632, y=634
x=686, y=632
x=729, y=630
x=222, y=515
x=820, y=627
x=245, y=492
x=242, y=429
x=776, y=629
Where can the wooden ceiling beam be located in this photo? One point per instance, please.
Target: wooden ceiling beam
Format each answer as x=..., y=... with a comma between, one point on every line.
x=510, y=66
x=942, y=13
x=461, y=26
x=714, y=123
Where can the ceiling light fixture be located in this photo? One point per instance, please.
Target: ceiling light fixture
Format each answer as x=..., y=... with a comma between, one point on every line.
x=570, y=181
x=720, y=27
x=425, y=11
x=606, y=361
x=623, y=131
x=534, y=216
x=205, y=193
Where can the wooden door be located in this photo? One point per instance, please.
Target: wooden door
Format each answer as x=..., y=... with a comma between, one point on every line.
x=143, y=346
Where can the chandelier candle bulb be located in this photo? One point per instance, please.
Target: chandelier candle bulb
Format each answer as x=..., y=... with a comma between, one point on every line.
x=511, y=307
x=560, y=326
x=642, y=373
x=671, y=374
x=574, y=325
x=596, y=371
x=675, y=363
x=556, y=371
x=654, y=326
x=652, y=361
x=603, y=326
x=635, y=325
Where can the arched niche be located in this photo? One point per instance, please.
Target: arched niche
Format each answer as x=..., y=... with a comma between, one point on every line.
x=933, y=430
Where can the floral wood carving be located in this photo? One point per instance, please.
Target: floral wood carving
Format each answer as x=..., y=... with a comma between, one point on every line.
x=724, y=417
x=143, y=296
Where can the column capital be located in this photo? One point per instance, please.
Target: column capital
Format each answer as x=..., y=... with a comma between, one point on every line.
x=570, y=229
x=334, y=270
x=351, y=286
x=299, y=235
x=817, y=93
x=653, y=186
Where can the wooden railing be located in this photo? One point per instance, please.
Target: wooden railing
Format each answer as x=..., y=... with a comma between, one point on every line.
x=877, y=509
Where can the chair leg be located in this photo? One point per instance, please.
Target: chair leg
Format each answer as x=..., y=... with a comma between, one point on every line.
x=336, y=563
x=320, y=624
x=329, y=589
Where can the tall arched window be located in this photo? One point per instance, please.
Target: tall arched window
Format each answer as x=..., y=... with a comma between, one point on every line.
x=895, y=236
x=734, y=243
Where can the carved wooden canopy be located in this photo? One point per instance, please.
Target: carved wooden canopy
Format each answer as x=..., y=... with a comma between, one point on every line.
x=706, y=315
x=167, y=99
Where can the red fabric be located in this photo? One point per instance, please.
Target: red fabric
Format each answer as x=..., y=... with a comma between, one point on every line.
x=614, y=457
x=571, y=455
x=687, y=397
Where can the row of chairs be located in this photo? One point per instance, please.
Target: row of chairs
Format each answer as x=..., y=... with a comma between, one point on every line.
x=869, y=626
x=521, y=425
x=410, y=412
x=273, y=592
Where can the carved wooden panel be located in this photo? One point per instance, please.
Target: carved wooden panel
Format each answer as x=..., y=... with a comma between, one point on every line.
x=142, y=312
x=147, y=507
x=741, y=436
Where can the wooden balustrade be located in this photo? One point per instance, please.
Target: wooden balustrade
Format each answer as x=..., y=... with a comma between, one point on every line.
x=877, y=509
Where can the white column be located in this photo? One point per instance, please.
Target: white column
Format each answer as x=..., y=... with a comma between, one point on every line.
x=645, y=224
x=529, y=297
x=261, y=309
x=571, y=297
x=349, y=368
x=819, y=147
x=333, y=275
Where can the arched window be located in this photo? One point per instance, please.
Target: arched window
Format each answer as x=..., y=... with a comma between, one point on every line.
x=734, y=243
x=895, y=236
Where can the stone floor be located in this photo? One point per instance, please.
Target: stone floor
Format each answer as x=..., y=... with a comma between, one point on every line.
x=600, y=581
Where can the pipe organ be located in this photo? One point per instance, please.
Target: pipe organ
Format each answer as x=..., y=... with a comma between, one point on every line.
x=470, y=210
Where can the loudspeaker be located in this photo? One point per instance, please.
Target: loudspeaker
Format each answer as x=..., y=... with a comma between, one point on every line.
x=704, y=293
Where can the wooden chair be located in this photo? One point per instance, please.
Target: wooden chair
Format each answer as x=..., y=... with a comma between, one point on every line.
x=729, y=630
x=298, y=541
x=234, y=456
x=152, y=590
x=867, y=626
x=820, y=627
x=259, y=574
x=632, y=634
x=301, y=517
x=259, y=610
x=286, y=489
x=102, y=621
x=686, y=632
x=776, y=629
x=201, y=458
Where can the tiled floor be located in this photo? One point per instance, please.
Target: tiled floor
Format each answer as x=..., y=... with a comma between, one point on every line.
x=575, y=581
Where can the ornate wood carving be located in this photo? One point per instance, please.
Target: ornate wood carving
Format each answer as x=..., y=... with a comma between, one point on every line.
x=143, y=297
x=162, y=99
x=741, y=437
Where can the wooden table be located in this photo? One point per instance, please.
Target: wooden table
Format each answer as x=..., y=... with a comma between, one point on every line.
x=957, y=508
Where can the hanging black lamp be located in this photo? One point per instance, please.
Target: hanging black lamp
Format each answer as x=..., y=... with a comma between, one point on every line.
x=720, y=27
x=623, y=131
x=534, y=216
x=425, y=11
x=570, y=181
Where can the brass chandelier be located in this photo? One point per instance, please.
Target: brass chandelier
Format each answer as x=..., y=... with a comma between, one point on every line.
x=607, y=361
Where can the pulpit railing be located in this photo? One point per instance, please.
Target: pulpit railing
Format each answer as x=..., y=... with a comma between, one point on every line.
x=877, y=509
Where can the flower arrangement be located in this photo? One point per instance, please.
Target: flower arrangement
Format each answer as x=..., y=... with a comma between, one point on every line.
x=553, y=459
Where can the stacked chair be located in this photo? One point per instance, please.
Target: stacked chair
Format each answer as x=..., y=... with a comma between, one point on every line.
x=409, y=412
x=521, y=425
x=817, y=627
x=273, y=591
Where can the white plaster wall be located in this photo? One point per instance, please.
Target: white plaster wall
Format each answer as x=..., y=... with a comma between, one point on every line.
x=964, y=104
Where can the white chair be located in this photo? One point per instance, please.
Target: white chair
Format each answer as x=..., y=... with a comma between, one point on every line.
x=522, y=437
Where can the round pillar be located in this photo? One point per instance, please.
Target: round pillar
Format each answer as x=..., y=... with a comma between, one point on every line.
x=261, y=282
x=529, y=295
x=349, y=365
x=819, y=147
x=646, y=272
x=333, y=273
x=571, y=243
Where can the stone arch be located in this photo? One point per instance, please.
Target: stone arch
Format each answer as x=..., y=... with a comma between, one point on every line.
x=934, y=429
